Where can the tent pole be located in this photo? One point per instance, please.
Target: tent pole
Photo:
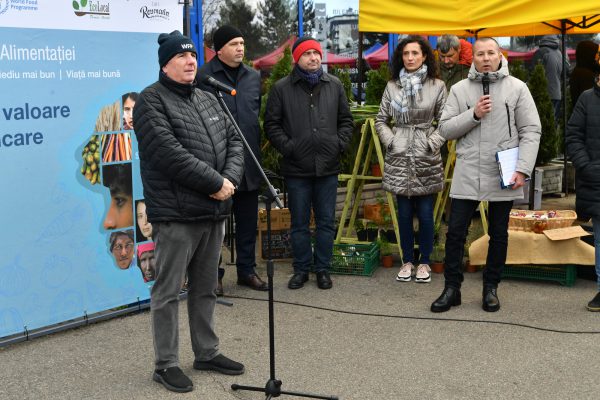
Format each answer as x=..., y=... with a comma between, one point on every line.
x=563, y=30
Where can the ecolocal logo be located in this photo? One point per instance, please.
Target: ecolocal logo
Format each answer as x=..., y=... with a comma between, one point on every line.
x=154, y=11
x=95, y=9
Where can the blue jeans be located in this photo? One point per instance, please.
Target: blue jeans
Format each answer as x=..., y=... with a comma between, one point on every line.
x=460, y=218
x=407, y=208
x=320, y=194
x=596, y=223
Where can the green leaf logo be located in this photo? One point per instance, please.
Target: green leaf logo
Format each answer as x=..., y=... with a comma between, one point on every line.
x=75, y=5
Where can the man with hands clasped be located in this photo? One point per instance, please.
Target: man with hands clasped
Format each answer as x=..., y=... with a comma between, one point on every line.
x=482, y=125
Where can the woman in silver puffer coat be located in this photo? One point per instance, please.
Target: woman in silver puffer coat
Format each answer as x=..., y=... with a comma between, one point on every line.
x=407, y=127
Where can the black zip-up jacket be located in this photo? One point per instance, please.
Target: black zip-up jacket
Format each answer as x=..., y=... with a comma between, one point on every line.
x=310, y=128
x=583, y=148
x=245, y=107
x=186, y=148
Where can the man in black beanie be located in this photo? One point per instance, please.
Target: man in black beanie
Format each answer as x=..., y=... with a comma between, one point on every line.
x=228, y=68
x=309, y=122
x=191, y=160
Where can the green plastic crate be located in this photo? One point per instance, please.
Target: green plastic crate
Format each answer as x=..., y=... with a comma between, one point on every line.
x=355, y=259
x=563, y=274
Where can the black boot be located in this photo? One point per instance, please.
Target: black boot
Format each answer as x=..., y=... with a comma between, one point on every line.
x=450, y=297
x=490, y=302
x=594, y=305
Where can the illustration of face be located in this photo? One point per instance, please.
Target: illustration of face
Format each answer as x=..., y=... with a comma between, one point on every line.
x=119, y=214
x=117, y=178
x=142, y=221
x=128, y=113
x=147, y=265
x=122, y=251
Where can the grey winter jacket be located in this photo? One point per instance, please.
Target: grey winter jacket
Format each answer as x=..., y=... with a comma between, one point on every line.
x=413, y=163
x=513, y=122
x=583, y=148
x=551, y=58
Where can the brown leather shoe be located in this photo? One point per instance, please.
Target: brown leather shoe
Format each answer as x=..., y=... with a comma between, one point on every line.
x=219, y=290
x=253, y=282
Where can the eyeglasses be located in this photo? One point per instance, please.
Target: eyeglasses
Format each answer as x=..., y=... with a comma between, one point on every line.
x=120, y=247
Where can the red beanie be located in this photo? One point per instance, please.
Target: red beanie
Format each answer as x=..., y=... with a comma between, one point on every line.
x=304, y=44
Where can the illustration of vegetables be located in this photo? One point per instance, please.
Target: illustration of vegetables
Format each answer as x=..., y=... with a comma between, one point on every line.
x=91, y=160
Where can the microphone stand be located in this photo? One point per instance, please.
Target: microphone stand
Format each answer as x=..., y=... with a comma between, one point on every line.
x=273, y=386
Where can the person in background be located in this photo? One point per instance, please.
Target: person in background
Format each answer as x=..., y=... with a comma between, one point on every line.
x=453, y=68
x=309, y=122
x=582, y=138
x=586, y=68
x=228, y=67
x=482, y=125
x=191, y=160
x=551, y=58
x=411, y=106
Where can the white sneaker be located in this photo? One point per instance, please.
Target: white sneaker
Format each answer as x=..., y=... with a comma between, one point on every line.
x=423, y=273
x=406, y=272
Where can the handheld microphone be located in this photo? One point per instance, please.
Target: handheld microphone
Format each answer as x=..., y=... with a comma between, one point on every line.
x=485, y=82
x=209, y=80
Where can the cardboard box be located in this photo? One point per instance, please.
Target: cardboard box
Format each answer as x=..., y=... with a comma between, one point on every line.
x=280, y=219
x=537, y=249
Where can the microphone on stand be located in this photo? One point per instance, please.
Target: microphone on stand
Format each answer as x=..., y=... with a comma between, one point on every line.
x=485, y=82
x=210, y=81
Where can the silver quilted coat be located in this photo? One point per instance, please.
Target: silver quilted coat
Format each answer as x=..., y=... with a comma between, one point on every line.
x=413, y=163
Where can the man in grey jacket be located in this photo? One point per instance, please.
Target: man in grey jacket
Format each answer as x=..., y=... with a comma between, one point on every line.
x=551, y=58
x=483, y=125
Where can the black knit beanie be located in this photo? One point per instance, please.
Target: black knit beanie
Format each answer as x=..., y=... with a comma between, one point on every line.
x=224, y=34
x=171, y=44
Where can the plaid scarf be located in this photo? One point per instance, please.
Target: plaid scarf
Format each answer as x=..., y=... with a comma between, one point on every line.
x=411, y=84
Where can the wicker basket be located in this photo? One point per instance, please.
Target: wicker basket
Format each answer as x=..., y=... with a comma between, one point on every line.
x=531, y=221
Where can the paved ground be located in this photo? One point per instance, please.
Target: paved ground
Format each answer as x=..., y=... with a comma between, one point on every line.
x=368, y=338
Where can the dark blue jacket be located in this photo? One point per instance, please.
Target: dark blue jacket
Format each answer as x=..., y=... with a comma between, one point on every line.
x=245, y=107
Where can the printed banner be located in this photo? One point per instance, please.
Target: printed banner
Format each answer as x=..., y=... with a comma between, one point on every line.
x=75, y=237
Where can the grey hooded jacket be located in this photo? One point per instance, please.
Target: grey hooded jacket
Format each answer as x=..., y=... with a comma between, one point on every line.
x=513, y=122
x=551, y=58
x=413, y=164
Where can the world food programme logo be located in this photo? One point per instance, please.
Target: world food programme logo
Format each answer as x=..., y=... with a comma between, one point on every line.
x=4, y=6
x=91, y=8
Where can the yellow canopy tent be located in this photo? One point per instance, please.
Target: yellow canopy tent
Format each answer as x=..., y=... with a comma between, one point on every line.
x=480, y=17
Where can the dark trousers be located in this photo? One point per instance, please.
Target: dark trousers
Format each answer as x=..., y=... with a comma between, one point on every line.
x=460, y=218
x=245, y=213
x=320, y=194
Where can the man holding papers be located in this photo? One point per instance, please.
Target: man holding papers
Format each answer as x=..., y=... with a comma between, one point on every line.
x=486, y=113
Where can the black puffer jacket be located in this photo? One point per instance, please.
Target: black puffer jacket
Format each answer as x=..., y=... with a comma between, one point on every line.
x=186, y=148
x=310, y=128
x=244, y=107
x=583, y=148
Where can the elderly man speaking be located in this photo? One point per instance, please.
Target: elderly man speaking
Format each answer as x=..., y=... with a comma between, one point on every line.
x=490, y=111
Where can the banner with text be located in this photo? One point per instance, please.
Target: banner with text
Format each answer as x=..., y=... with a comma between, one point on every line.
x=75, y=237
